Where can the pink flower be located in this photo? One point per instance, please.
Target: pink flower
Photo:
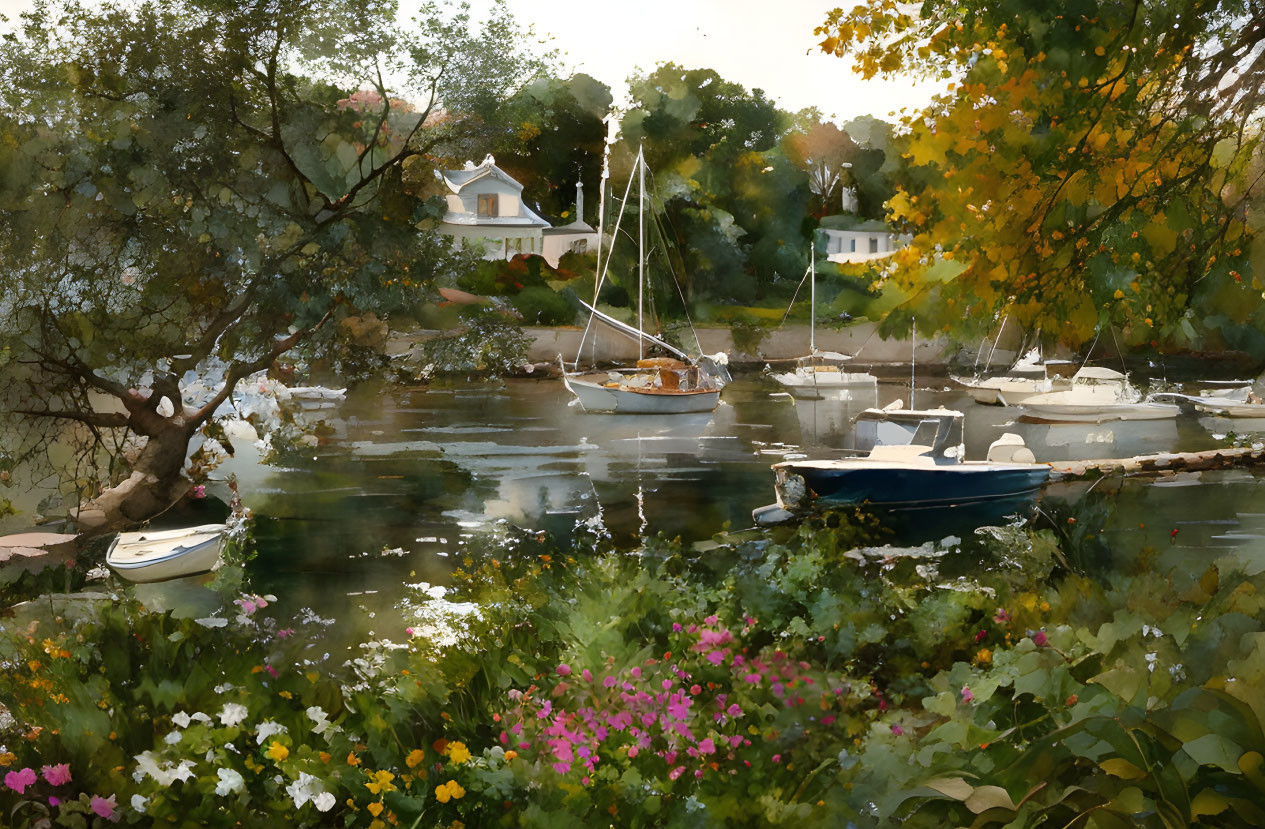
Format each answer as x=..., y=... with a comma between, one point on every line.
x=777, y=758
x=1040, y=639
x=564, y=669
x=699, y=774
x=586, y=675
x=199, y=492
x=54, y=801
x=286, y=633
x=897, y=730
x=609, y=682
x=676, y=627
x=19, y=780
x=967, y=696
x=104, y=807
x=676, y=772
x=408, y=631
x=707, y=746
x=696, y=689
x=636, y=672
x=710, y=620
x=979, y=637
x=1001, y=617
x=271, y=670
x=733, y=710
x=58, y=775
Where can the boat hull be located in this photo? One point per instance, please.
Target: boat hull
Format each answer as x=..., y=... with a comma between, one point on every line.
x=143, y=557
x=1236, y=410
x=844, y=483
x=1097, y=413
x=597, y=398
x=820, y=383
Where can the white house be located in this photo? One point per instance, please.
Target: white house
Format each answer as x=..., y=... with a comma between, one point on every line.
x=861, y=242
x=485, y=207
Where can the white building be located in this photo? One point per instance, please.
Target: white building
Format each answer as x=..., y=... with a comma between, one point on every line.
x=485, y=207
x=861, y=242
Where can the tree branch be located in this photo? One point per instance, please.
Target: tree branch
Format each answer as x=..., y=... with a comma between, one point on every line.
x=105, y=419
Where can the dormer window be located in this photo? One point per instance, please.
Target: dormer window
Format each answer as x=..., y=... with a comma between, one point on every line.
x=487, y=205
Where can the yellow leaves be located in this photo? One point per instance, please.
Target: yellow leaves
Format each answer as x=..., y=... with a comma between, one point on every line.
x=1119, y=767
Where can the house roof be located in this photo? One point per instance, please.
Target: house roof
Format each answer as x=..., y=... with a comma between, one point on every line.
x=576, y=228
x=458, y=179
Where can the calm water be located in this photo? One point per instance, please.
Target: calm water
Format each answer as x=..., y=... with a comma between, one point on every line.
x=412, y=474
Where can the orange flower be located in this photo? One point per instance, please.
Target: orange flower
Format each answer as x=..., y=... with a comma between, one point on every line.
x=352, y=759
x=415, y=758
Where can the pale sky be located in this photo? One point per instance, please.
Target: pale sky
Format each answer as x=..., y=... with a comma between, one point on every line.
x=766, y=44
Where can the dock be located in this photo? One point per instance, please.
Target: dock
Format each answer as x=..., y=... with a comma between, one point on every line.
x=1164, y=463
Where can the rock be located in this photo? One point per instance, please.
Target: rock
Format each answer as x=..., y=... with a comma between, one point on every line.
x=35, y=551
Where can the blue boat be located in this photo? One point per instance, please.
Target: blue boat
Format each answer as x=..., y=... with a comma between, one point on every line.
x=913, y=460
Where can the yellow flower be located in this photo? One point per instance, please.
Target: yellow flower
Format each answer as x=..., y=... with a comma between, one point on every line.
x=455, y=788
x=377, y=824
x=441, y=793
x=287, y=695
x=380, y=781
x=511, y=754
x=450, y=790
x=984, y=657
x=458, y=753
x=415, y=758
x=277, y=751
x=375, y=809
x=7, y=758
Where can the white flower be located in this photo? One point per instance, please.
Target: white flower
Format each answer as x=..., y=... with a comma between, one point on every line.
x=227, y=686
x=232, y=714
x=317, y=715
x=172, y=738
x=164, y=775
x=138, y=803
x=310, y=788
x=268, y=728
x=181, y=719
x=230, y=781
x=199, y=716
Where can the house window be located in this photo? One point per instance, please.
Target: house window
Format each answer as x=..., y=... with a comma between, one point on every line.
x=515, y=245
x=487, y=204
x=580, y=246
x=853, y=243
x=873, y=244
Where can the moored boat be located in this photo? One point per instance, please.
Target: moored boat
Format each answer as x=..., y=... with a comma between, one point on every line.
x=928, y=471
x=1026, y=379
x=1097, y=395
x=150, y=556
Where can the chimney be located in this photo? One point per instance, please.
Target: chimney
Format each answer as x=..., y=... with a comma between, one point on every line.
x=579, y=201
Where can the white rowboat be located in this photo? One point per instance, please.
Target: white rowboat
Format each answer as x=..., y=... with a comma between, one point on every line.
x=144, y=557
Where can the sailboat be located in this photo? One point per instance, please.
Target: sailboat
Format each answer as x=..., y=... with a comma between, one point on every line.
x=676, y=384
x=819, y=372
x=1028, y=377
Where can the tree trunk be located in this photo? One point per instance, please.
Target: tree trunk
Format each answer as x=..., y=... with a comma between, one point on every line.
x=156, y=483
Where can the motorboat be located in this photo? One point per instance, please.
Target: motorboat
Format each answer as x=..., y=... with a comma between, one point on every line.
x=912, y=459
x=1096, y=395
x=676, y=384
x=150, y=556
x=819, y=373
x=1026, y=379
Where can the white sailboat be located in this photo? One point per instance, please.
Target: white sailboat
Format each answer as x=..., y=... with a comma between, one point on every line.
x=658, y=385
x=819, y=373
x=1097, y=395
x=1026, y=379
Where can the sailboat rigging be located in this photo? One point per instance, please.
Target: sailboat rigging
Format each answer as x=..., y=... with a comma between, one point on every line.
x=819, y=372
x=658, y=385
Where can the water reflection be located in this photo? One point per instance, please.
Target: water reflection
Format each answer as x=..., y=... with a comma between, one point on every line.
x=410, y=475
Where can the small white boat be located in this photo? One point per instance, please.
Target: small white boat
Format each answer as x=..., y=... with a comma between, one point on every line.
x=657, y=386
x=1026, y=379
x=819, y=373
x=1097, y=395
x=150, y=556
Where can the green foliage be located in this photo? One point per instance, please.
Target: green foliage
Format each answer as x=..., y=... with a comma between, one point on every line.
x=805, y=675
x=201, y=187
x=487, y=342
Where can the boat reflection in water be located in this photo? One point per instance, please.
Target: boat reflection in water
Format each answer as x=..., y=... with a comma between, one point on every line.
x=913, y=461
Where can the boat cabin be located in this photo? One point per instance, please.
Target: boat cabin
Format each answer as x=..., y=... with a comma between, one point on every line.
x=937, y=432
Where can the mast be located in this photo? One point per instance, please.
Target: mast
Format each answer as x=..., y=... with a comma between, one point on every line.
x=812, y=293
x=641, y=250
x=601, y=213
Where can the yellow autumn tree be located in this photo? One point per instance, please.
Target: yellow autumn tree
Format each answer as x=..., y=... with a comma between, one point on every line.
x=1088, y=164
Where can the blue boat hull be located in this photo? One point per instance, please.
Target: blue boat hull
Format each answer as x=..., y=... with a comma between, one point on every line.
x=951, y=484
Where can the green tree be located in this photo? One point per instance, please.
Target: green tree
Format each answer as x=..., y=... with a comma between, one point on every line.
x=1089, y=164
x=191, y=189
x=732, y=205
